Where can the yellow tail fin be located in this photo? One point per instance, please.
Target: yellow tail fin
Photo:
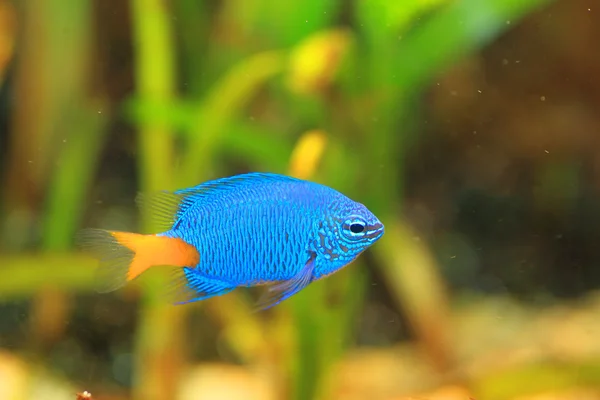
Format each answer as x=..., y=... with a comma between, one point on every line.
x=124, y=256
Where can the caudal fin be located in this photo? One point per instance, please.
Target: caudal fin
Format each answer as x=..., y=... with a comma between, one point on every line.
x=124, y=256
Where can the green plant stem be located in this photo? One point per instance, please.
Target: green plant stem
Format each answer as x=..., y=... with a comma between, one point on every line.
x=26, y=274
x=159, y=336
x=220, y=106
x=155, y=79
x=73, y=175
x=399, y=70
x=50, y=125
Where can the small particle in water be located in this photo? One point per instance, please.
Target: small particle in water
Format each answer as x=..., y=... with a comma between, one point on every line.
x=478, y=90
x=546, y=151
x=508, y=22
x=505, y=62
x=99, y=111
x=543, y=98
x=64, y=140
x=452, y=256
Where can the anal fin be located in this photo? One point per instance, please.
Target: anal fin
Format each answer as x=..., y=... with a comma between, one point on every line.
x=188, y=285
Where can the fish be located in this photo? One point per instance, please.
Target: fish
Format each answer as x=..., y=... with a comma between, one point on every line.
x=245, y=230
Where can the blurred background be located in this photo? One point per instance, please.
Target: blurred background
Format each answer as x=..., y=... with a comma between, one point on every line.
x=470, y=127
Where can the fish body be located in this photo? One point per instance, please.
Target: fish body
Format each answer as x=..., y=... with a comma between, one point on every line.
x=244, y=230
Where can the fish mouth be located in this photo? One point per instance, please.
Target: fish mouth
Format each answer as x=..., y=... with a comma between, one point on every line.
x=375, y=231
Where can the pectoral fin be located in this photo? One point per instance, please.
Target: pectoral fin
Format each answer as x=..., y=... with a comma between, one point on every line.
x=283, y=290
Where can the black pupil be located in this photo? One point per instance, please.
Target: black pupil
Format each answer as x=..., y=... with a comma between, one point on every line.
x=357, y=228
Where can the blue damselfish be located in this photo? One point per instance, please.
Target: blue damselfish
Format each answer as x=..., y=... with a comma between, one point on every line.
x=244, y=230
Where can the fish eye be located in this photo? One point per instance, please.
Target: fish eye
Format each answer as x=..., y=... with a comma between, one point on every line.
x=354, y=228
x=357, y=227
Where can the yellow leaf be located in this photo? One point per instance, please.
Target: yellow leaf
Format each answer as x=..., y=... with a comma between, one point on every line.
x=307, y=154
x=315, y=62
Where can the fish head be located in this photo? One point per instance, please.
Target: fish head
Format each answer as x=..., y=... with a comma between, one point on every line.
x=347, y=230
x=359, y=228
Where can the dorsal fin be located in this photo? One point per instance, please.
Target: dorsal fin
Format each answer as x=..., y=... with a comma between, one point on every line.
x=167, y=208
x=232, y=182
